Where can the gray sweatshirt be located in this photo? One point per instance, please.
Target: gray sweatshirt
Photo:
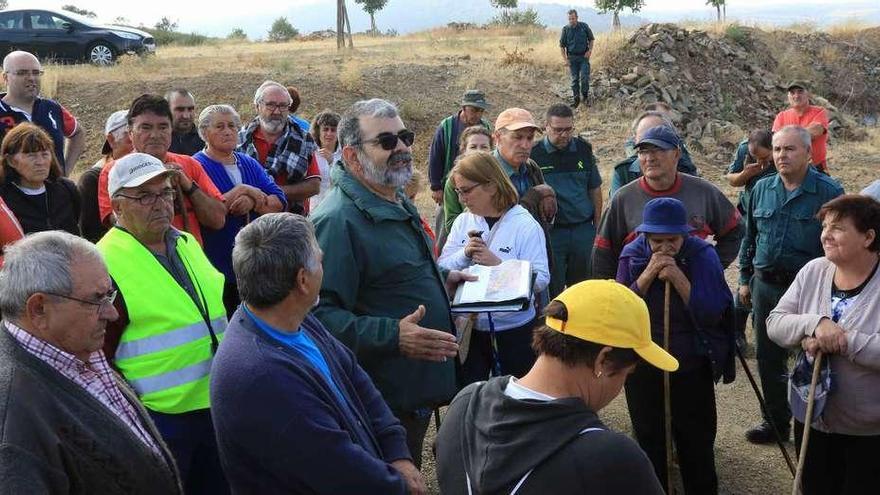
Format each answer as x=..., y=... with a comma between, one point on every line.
x=853, y=407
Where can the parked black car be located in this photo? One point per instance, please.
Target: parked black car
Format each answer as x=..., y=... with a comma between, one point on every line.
x=65, y=36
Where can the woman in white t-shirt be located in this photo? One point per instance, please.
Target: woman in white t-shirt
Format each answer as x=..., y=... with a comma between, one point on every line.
x=323, y=130
x=492, y=229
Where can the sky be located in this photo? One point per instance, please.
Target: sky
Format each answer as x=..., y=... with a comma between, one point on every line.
x=191, y=15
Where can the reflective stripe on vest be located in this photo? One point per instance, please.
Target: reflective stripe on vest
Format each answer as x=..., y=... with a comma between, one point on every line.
x=168, y=340
x=165, y=351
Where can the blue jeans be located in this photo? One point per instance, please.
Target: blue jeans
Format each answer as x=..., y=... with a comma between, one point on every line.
x=190, y=438
x=579, y=66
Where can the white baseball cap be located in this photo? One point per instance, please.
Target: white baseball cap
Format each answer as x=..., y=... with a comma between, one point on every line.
x=133, y=170
x=116, y=120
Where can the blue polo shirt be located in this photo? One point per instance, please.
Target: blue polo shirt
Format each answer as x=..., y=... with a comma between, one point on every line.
x=782, y=232
x=520, y=178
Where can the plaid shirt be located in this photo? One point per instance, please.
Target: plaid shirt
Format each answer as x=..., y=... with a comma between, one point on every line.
x=95, y=376
x=290, y=153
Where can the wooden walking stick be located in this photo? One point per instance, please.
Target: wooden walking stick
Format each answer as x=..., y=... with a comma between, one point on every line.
x=667, y=401
x=808, y=420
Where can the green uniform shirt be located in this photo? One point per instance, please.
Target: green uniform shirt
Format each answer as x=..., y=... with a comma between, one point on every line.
x=378, y=268
x=738, y=165
x=572, y=173
x=782, y=232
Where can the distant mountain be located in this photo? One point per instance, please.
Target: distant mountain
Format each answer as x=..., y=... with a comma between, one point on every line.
x=404, y=16
x=820, y=13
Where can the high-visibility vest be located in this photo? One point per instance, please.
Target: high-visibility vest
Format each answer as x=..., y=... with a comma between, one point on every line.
x=165, y=352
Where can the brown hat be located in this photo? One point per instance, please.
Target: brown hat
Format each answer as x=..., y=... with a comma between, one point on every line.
x=514, y=119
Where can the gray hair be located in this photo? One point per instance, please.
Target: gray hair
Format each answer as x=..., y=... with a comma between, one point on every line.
x=349, y=128
x=258, y=95
x=207, y=117
x=652, y=113
x=40, y=262
x=268, y=254
x=179, y=91
x=802, y=133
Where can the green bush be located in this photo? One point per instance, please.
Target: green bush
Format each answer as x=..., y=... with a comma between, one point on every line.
x=237, y=34
x=736, y=33
x=164, y=38
x=517, y=18
x=282, y=30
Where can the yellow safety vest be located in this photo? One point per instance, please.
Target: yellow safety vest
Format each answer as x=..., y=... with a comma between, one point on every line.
x=165, y=351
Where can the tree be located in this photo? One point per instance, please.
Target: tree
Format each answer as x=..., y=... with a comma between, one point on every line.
x=77, y=10
x=282, y=30
x=503, y=4
x=371, y=7
x=616, y=6
x=343, y=26
x=237, y=34
x=718, y=4
x=4, y=4
x=165, y=24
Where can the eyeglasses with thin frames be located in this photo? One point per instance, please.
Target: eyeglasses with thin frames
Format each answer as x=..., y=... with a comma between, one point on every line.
x=104, y=302
x=149, y=199
x=388, y=140
x=27, y=72
x=561, y=130
x=276, y=107
x=464, y=191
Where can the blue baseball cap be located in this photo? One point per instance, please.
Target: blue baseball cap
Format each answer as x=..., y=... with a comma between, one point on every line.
x=664, y=216
x=661, y=136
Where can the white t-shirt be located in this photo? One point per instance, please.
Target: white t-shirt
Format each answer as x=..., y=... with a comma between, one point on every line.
x=234, y=173
x=516, y=391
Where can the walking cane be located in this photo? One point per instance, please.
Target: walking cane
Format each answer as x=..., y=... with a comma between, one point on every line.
x=667, y=402
x=808, y=420
x=764, y=410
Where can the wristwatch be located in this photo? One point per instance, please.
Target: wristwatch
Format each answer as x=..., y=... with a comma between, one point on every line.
x=193, y=188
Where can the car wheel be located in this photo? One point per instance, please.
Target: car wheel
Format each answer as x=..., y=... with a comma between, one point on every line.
x=101, y=54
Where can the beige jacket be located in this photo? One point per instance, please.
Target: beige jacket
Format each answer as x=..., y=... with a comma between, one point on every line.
x=853, y=407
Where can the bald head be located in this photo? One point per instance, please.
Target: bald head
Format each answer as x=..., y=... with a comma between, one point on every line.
x=18, y=57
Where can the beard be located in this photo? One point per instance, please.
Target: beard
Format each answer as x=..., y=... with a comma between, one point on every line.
x=395, y=172
x=272, y=125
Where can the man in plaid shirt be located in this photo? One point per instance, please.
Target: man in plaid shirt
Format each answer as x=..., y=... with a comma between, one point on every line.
x=66, y=418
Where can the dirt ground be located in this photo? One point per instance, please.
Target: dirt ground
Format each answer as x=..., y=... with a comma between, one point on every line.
x=425, y=75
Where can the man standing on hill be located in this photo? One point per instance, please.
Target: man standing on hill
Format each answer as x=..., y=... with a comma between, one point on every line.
x=576, y=43
x=185, y=138
x=811, y=117
x=444, y=147
x=22, y=73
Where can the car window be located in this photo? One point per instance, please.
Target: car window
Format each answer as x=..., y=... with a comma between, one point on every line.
x=43, y=20
x=11, y=20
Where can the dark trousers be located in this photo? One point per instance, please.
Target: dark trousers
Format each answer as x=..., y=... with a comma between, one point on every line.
x=579, y=67
x=693, y=423
x=772, y=359
x=572, y=246
x=190, y=437
x=838, y=464
x=514, y=352
x=416, y=425
x=231, y=300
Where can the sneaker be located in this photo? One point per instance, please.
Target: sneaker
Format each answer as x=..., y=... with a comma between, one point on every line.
x=763, y=434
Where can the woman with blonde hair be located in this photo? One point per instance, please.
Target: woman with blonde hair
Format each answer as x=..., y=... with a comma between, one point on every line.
x=494, y=228
x=32, y=184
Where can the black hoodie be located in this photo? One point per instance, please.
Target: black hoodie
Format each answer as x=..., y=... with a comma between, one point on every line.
x=497, y=440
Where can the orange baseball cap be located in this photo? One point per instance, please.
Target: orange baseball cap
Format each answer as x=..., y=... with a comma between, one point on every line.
x=514, y=119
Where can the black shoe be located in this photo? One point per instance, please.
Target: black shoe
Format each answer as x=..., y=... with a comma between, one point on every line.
x=586, y=100
x=575, y=102
x=763, y=434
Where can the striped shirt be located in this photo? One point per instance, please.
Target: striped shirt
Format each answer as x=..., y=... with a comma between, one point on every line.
x=95, y=376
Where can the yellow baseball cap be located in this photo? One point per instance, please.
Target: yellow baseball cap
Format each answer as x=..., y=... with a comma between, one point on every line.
x=608, y=313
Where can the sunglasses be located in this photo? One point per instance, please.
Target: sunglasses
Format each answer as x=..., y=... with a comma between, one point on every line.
x=388, y=141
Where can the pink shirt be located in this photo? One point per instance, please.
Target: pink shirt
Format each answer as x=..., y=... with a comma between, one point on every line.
x=95, y=376
x=812, y=115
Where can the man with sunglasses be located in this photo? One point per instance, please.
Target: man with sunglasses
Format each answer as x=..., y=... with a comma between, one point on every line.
x=171, y=316
x=383, y=295
x=569, y=167
x=282, y=146
x=66, y=418
x=22, y=73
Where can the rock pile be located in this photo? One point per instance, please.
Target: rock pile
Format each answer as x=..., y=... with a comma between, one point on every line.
x=719, y=87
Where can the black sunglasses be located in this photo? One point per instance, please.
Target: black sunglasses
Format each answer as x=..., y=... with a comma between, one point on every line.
x=388, y=141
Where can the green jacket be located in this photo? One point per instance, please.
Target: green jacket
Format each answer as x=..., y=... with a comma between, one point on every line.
x=378, y=268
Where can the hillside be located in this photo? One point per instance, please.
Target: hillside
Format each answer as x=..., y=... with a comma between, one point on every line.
x=722, y=81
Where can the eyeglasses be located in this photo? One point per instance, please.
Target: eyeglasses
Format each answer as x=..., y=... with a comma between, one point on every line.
x=464, y=191
x=149, y=199
x=27, y=72
x=388, y=140
x=650, y=151
x=276, y=107
x=103, y=302
x=561, y=130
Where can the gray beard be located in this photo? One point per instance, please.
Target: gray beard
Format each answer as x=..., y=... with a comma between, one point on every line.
x=272, y=127
x=384, y=175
